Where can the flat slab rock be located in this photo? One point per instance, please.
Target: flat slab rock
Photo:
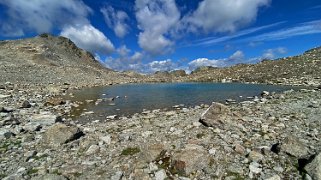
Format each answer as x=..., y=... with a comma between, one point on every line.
x=45, y=118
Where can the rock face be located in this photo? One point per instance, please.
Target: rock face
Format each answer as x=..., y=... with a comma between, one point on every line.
x=59, y=134
x=49, y=59
x=314, y=168
x=215, y=115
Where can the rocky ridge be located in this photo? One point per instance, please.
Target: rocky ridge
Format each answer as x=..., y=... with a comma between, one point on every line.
x=304, y=69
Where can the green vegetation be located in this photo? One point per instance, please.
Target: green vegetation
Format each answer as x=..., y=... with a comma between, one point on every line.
x=130, y=151
x=235, y=175
x=200, y=135
x=32, y=171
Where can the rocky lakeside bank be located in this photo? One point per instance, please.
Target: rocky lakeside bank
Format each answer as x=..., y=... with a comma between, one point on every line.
x=276, y=136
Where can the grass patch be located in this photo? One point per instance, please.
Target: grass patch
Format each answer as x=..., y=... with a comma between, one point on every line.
x=2, y=176
x=130, y=151
x=236, y=175
x=32, y=171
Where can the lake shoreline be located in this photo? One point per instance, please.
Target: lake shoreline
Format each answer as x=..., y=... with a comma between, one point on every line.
x=141, y=139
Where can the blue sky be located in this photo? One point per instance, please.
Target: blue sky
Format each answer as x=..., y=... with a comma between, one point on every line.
x=157, y=35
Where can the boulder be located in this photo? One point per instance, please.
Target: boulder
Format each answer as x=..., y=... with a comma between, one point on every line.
x=294, y=147
x=10, y=120
x=32, y=126
x=93, y=149
x=190, y=159
x=314, y=167
x=160, y=175
x=151, y=151
x=5, y=134
x=26, y=104
x=45, y=118
x=59, y=134
x=215, y=115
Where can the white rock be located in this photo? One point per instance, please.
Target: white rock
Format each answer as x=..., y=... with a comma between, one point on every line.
x=106, y=139
x=160, y=175
x=153, y=167
x=92, y=150
x=146, y=134
x=4, y=96
x=117, y=176
x=275, y=177
x=255, y=168
x=212, y=151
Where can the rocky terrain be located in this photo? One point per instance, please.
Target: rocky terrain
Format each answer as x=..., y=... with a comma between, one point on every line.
x=272, y=137
x=304, y=69
x=46, y=60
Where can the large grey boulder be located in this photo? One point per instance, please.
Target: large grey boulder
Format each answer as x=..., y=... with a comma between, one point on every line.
x=314, y=168
x=215, y=115
x=59, y=134
x=294, y=147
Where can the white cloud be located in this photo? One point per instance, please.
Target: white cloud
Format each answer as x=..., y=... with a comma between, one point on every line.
x=123, y=51
x=312, y=27
x=223, y=15
x=156, y=18
x=215, y=40
x=238, y=55
x=42, y=15
x=204, y=62
x=137, y=56
x=116, y=20
x=235, y=58
x=89, y=38
x=273, y=53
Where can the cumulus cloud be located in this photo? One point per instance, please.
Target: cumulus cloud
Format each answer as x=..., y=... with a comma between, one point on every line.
x=273, y=53
x=123, y=51
x=235, y=58
x=223, y=15
x=155, y=19
x=134, y=62
x=89, y=38
x=116, y=20
x=42, y=15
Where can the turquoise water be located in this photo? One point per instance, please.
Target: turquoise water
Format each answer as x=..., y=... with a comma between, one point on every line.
x=134, y=98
